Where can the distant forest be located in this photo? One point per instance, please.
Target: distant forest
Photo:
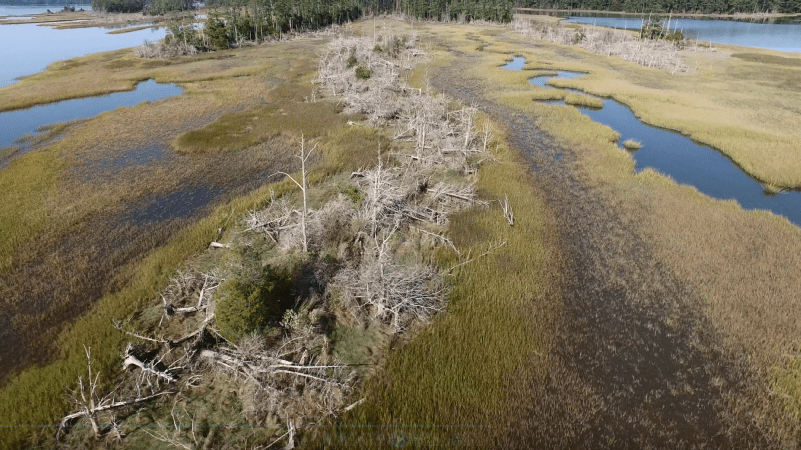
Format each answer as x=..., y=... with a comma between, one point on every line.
x=304, y=14
x=310, y=14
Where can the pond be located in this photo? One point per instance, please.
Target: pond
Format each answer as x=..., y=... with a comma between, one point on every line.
x=21, y=122
x=29, y=48
x=780, y=37
x=679, y=157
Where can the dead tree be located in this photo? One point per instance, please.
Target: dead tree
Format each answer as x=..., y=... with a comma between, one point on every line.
x=90, y=404
x=303, y=156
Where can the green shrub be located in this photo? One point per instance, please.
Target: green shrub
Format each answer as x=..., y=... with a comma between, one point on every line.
x=352, y=61
x=655, y=30
x=363, y=73
x=355, y=195
x=377, y=48
x=246, y=305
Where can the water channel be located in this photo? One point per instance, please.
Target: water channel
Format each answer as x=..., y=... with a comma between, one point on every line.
x=21, y=122
x=678, y=156
x=780, y=37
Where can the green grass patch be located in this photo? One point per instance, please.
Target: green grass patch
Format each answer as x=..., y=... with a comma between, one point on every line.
x=26, y=183
x=245, y=129
x=768, y=59
x=787, y=382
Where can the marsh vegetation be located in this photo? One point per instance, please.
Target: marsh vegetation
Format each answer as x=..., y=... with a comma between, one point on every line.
x=296, y=252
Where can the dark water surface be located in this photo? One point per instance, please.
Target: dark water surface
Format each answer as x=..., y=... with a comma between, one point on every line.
x=678, y=156
x=17, y=123
x=781, y=37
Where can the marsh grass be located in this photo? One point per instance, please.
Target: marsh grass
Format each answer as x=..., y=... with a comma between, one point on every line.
x=548, y=94
x=744, y=264
x=631, y=144
x=66, y=246
x=241, y=130
x=455, y=373
x=129, y=30
x=574, y=99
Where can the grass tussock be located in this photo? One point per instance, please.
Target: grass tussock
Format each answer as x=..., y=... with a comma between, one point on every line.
x=583, y=100
x=631, y=144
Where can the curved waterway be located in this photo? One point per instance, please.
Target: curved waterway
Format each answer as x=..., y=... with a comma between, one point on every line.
x=21, y=122
x=679, y=157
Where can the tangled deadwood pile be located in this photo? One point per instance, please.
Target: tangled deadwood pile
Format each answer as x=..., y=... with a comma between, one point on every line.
x=285, y=367
x=657, y=53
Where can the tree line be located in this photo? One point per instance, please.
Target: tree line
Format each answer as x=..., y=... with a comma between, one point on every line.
x=668, y=6
x=275, y=16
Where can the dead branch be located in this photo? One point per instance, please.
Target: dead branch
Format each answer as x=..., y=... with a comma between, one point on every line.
x=507, y=211
x=353, y=405
x=90, y=404
x=303, y=156
x=469, y=260
x=148, y=368
x=440, y=238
